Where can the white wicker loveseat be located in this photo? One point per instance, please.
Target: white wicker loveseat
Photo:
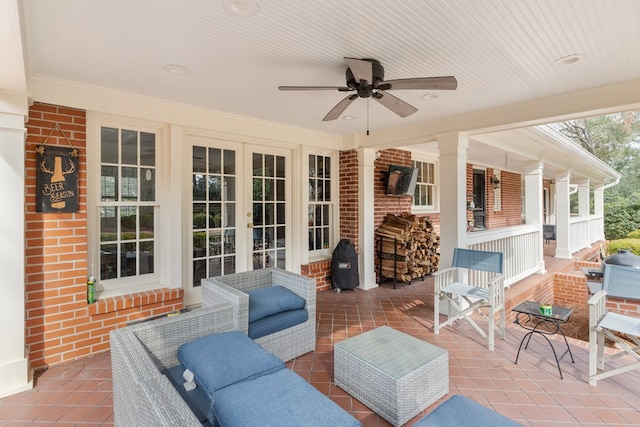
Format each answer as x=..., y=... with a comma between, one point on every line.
x=233, y=288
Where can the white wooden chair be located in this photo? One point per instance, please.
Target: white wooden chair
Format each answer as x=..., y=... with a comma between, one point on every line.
x=475, y=280
x=624, y=331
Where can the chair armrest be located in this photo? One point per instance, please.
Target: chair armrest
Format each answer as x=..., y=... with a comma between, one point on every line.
x=162, y=337
x=215, y=292
x=597, y=309
x=442, y=278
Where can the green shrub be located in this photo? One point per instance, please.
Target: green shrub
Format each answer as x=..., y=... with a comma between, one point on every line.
x=630, y=244
x=634, y=235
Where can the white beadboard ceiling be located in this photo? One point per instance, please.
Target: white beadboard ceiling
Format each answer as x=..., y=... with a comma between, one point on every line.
x=502, y=52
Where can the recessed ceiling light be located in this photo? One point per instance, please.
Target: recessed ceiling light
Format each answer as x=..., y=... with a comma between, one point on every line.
x=349, y=118
x=243, y=8
x=429, y=96
x=569, y=59
x=177, y=70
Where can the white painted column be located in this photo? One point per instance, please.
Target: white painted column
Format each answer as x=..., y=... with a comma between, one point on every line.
x=15, y=373
x=563, y=241
x=534, y=204
x=598, y=208
x=366, y=238
x=453, y=194
x=583, y=198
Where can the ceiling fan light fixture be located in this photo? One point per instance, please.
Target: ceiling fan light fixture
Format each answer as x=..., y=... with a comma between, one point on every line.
x=569, y=59
x=241, y=8
x=429, y=96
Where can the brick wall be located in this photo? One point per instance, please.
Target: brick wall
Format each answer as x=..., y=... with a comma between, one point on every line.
x=349, y=196
x=60, y=325
x=319, y=270
x=384, y=204
x=571, y=290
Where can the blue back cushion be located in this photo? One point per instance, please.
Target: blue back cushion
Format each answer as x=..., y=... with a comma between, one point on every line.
x=277, y=322
x=219, y=360
x=270, y=300
x=282, y=399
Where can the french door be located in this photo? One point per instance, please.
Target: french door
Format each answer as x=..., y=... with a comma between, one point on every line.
x=239, y=210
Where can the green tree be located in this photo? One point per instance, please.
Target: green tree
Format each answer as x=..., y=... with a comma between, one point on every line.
x=614, y=139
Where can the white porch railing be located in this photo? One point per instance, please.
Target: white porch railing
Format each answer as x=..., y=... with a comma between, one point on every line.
x=584, y=231
x=521, y=246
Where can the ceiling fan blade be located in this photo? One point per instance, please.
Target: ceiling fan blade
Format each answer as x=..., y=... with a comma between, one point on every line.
x=362, y=70
x=339, y=108
x=394, y=104
x=338, y=88
x=428, y=83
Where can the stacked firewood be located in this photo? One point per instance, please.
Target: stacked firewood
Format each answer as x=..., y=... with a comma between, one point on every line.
x=406, y=247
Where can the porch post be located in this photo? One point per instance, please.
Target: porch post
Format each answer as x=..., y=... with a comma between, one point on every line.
x=15, y=372
x=583, y=198
x=534, y=205
x=598, y=208
x=453, y=193
x=563, y=231
x=366, y=234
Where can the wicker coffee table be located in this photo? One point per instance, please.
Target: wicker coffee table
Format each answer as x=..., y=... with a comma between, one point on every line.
x=394, y=374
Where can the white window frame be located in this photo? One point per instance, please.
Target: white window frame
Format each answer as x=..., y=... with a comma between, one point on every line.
x=417, y=209
x=138, y=283
x=334, y=225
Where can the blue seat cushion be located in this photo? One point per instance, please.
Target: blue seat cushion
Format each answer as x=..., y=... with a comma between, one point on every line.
x=197, y=399
x=270, y=300
x=277, y=322
x=218, y=360
x=280, y=399
x=459, y=411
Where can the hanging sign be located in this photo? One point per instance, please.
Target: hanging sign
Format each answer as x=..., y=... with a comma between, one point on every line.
x=56, y=178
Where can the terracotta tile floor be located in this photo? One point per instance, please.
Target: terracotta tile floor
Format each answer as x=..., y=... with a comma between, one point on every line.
x=531, y=392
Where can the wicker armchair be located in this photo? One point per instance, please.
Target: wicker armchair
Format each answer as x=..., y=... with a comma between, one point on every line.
x=232, y=289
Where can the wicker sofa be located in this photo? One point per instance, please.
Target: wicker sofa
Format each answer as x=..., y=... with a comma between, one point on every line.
x=233, y=289
x=143, y=356
x=142, y=396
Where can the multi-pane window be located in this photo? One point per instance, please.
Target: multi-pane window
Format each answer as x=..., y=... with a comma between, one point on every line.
x=320, y=206
x=424, y=195
x=127, y=206
x=214, y=212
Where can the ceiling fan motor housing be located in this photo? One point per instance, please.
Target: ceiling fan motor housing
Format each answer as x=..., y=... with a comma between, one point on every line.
x=377, y=71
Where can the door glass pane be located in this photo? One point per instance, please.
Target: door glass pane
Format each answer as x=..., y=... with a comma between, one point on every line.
x=213, y=182
x=268, y=210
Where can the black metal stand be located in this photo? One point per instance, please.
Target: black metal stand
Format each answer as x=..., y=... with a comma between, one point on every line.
x=544, y=326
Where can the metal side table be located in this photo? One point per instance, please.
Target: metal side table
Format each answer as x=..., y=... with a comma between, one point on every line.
x=543, y=324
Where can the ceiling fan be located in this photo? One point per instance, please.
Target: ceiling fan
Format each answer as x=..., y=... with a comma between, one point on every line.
x=366, y=78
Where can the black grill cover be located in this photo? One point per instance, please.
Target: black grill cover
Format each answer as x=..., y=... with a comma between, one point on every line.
x=624, y=257
x=344, y=266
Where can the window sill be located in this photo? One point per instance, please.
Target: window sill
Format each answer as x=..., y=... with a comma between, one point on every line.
x=135, y=301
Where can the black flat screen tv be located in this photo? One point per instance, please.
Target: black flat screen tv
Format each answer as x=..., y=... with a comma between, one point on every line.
x=401, y=180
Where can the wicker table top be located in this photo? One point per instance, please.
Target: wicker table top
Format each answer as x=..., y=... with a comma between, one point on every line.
x=392, y=352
